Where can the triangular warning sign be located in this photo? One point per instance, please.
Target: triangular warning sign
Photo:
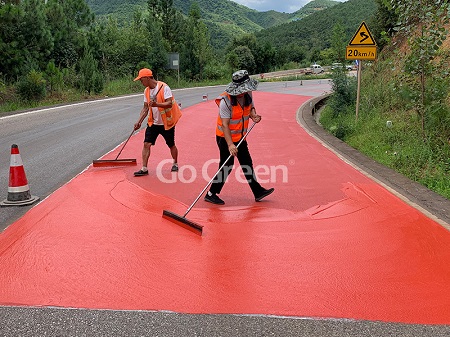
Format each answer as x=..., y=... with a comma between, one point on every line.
x=362, y=37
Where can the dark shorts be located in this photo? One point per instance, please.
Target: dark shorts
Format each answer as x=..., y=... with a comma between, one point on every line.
x=152, y=132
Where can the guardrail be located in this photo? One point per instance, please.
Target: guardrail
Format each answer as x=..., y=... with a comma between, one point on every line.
x=289, y=73
x=284, y=73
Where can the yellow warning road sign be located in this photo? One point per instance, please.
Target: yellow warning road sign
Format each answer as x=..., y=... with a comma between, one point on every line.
x=362, y=37
x=361, y=53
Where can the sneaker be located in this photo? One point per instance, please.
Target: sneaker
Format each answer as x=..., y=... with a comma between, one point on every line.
x=264, y=194
x=214, y=199
x=174, y=168
x=140, y=173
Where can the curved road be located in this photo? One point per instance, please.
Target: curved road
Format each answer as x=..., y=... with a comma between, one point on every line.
x=332, y=244
x=58, y=143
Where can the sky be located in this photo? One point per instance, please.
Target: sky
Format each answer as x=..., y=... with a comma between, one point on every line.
x=287, y=6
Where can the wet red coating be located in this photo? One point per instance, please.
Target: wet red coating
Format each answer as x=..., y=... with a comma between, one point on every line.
x=328, y=243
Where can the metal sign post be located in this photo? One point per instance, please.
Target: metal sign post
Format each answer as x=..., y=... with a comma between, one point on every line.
x=359, y=88
x=174, y=63
x=361, y=47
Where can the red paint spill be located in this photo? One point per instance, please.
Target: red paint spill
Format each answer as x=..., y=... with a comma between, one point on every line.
x=328, y=243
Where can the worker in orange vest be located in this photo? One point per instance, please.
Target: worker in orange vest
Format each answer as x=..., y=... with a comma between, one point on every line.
x=163, y=114
x=235, y=109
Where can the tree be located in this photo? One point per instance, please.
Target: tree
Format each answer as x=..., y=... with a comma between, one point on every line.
x=91, y=79
x=201, y=51
x=134, y=48
x=106, y=47
x=68, y=21
x=25, y=39
x=64, y=53
x=264, y=55
x=248, y=40
x=197, y=52
x=315, y=55
x=12, y=55
x=170, y=21
x=384, y=22
x=36, y=34
x=338, y=43
x=157, y=54
x=53, y=76
x=245, y=59
x=429, y=17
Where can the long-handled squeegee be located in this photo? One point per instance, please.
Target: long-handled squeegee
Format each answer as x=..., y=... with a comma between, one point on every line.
x=115, y=162
x=120, y=162
x=186, y=223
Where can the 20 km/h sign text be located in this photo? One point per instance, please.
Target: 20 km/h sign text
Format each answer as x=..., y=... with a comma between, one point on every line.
x=361, y=53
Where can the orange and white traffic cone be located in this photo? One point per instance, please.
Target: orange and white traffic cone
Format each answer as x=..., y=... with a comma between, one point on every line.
x=18, y=189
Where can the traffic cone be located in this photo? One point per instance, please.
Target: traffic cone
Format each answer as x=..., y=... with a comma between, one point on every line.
x=18, y=190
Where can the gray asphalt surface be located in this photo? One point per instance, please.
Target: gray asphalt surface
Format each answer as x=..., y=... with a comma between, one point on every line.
x=99, y=323
x=26, y=321
x=58, y=143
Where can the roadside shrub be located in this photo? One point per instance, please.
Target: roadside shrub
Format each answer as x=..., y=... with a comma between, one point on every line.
x=53, y=76
x=2, y=90
x=139, y=66
x=215, y=71
x=437, y=121
x=344, y=92
x=32, y=87
x=340, y=126
x=97, y=83
x=70, y=77
x=90, y=79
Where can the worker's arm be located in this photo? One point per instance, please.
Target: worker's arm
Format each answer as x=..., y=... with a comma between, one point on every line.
x=254, y=116
x=144, y=113
x=164, y=105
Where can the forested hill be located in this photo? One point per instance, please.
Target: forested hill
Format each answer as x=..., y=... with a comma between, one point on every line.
x=224, y=18
x=230, y=12
x=312, y=7
x=316, y=30
x=214, y=10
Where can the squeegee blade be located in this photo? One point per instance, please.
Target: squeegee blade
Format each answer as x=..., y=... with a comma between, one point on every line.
x=114, y=162
x=182, y=221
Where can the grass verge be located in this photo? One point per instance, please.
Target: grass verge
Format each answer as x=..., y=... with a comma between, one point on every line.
x=394, y=139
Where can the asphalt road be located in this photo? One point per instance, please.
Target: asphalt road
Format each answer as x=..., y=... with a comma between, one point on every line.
x=100, y=323
x=57, y=143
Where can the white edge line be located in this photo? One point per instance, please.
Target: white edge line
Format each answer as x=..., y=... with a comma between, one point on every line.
x=93, y=102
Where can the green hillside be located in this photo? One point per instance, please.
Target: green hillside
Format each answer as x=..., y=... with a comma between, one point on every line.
x=212, y=11
x=225, y=19
x=311, y=8
x=315, y=30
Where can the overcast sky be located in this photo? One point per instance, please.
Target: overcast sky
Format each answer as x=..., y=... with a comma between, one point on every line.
x=287, y=6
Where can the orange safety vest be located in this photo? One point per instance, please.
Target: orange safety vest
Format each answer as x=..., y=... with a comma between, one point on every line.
x=239, y=119
x=170, y=116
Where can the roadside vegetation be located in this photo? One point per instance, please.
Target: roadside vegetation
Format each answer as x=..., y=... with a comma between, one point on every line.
x=404, y=114
x=11, y=100
x=55, y=52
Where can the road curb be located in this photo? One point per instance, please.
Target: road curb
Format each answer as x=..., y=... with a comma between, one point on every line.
x=428, y=202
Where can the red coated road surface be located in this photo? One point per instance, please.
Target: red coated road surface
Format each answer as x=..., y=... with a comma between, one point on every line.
x=329, y=242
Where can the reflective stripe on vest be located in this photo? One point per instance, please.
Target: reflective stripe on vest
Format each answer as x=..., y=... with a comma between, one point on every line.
x=239, y=119
x=169, y=116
